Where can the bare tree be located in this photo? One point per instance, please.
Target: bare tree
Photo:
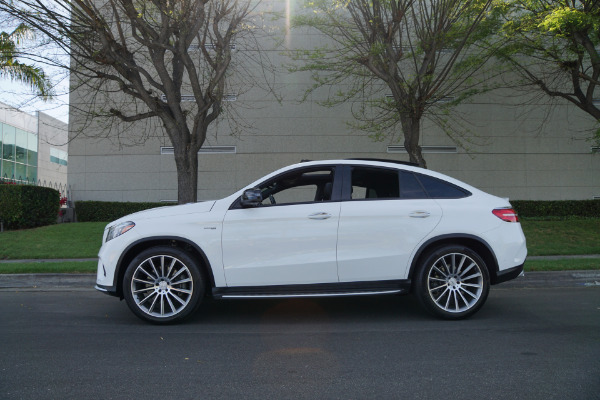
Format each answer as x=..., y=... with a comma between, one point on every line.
x=404, y=59
x=156, y=60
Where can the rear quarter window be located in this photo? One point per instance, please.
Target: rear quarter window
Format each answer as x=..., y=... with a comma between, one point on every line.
x=410, y=188
x=439, y=189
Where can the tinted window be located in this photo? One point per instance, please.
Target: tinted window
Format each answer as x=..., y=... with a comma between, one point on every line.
x=438, y=189
x=299, y=186
x=374, y=183
x=410, y=188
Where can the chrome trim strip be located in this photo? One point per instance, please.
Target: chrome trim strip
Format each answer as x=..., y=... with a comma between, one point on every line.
x=100, y=289
x=284, y=296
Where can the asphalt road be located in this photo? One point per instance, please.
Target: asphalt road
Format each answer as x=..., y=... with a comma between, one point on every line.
x=535, y=343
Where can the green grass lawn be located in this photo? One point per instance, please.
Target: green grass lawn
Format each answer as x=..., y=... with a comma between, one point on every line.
x=84, y=267
x=566, y=237
x=562, y=265
x=79, y=240
x=83, y=240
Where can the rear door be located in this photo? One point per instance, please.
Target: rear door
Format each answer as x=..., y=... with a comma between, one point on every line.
x=384, y=216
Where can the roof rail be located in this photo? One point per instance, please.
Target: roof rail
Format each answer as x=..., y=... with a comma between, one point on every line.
x=412, y=164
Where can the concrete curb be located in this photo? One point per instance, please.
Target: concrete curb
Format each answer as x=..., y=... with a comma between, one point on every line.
x=72, y=282
x=47, y=281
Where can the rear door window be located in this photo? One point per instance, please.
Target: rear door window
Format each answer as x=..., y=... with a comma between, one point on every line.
x=374, y=183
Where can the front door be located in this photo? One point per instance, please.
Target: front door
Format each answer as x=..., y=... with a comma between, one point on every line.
x=290, y=239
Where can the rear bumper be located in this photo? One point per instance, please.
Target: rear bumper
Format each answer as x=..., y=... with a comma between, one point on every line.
x=507, y=274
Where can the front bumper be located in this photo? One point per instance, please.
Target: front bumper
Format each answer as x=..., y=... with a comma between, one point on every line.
x=110, y=290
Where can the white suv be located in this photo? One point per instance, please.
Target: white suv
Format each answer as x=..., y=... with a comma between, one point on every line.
x=319, y=228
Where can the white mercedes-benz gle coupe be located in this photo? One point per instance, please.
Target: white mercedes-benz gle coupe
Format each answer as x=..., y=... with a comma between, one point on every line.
x=318, y=228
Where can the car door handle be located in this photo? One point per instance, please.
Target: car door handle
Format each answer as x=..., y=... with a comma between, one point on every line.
x=419, y=214
x=320, y=215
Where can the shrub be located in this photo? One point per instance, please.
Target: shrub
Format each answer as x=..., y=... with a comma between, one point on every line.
x=25, y=206
x=104, y=211
x=558, y=208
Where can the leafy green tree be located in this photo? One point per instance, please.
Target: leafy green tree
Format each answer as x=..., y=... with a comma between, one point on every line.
x=12, y=68
x=552, y=45
x=403, y=60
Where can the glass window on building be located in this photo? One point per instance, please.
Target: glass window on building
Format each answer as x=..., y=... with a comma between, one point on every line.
x=21, y=147
x=18, y=154
x=9, y=142
x=31, y=173
x=20, y=172
x=32, y=149
x=8, y=169
x=59, y=156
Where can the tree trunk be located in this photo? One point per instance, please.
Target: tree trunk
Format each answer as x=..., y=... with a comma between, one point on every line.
x=186, y=161
x=411, y=127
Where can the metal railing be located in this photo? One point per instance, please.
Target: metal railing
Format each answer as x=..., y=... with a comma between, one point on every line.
x=63, y=189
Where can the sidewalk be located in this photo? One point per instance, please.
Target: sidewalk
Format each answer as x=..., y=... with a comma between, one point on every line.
x=76, y=282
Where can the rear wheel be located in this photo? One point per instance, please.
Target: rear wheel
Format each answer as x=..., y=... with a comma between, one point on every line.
x=453, y=282
x=163, y=285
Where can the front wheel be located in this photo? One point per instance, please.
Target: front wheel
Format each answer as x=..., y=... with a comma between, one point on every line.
x=453, y=282
x=163, y=285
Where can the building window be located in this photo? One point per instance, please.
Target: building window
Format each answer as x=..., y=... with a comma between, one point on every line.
x=8, y=148
x=59, y=157
x=18, y=154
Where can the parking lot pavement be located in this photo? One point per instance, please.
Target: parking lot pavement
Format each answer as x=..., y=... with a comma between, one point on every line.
x=87, y=281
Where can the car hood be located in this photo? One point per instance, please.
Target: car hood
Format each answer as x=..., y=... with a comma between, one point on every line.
x=168, y=211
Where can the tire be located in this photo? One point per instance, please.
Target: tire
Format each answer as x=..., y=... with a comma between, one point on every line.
x=163, y=285
x=453, y=282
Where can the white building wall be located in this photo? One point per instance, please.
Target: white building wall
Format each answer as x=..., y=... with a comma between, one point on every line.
x=512, y=150
x=53, y=135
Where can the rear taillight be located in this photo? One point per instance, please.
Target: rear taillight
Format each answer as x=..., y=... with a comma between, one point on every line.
x=506, y=214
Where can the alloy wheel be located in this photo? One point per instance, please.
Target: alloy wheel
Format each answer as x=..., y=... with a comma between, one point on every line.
x=162, y=286
x=455, y=282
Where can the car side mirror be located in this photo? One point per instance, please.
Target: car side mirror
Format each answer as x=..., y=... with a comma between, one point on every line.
x=251, y=198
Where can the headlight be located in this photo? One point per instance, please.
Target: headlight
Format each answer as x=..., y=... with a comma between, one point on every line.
x=118, y=230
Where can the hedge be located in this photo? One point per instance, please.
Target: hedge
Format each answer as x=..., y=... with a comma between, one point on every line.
x=26, y=206
x=104, y=211
x=557, y=208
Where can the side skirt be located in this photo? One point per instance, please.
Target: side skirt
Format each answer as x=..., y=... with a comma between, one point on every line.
x=314, y=290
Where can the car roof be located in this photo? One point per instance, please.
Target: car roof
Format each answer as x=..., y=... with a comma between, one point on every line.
x=363, y=161
x=376, y=160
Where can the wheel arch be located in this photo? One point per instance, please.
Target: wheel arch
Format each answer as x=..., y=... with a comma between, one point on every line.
x=137, y=247
x=473, y=242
